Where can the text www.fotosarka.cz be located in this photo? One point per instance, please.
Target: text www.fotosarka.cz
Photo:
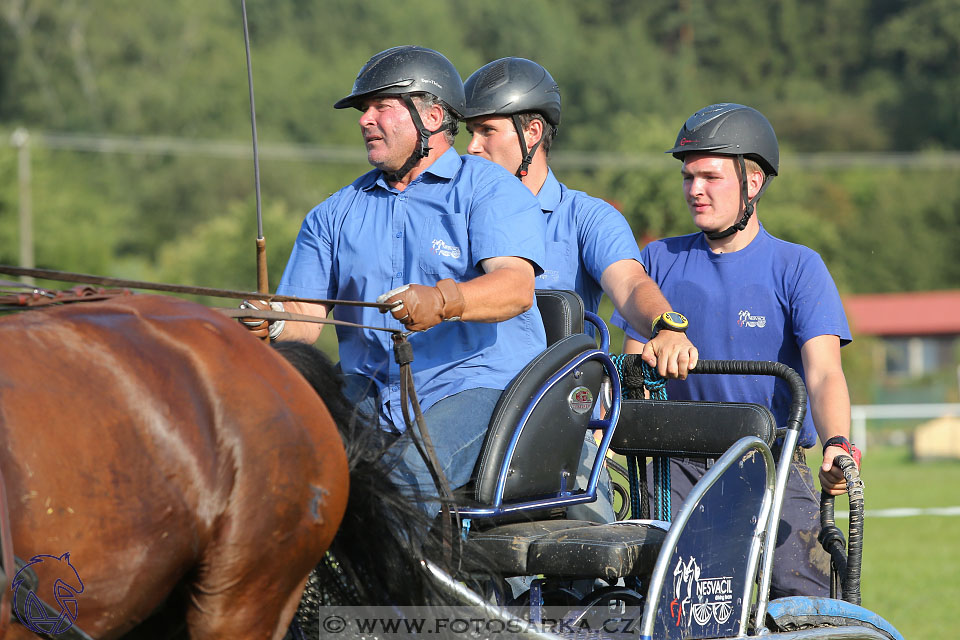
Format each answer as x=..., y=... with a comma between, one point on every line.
x=387, y=623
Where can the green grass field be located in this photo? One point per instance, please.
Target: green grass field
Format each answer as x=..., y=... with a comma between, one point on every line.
x=911, y=565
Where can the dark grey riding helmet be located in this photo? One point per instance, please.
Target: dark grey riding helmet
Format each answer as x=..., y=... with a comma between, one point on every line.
x=405, y=70
x=732, y=130
x=511, y=86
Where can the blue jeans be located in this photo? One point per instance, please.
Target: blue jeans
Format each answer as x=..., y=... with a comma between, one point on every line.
x=457, y=426
x=600, y=510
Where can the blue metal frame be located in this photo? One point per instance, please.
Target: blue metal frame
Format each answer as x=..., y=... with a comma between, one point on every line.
x=601, y=326
x=563, y=499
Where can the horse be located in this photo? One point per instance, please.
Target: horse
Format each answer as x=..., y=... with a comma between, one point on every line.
x=193, y=476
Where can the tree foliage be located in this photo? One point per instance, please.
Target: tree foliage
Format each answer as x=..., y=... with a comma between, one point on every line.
x=832, y=75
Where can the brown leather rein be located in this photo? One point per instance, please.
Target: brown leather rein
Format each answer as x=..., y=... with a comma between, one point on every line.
x=19, y=296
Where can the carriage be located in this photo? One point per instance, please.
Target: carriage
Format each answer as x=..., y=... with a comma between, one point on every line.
x=638, y=576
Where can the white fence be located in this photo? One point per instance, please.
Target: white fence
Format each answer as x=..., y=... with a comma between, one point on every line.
x=860, y=413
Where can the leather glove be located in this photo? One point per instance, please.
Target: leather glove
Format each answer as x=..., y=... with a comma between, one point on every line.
x=260, y=327
x=422, y=307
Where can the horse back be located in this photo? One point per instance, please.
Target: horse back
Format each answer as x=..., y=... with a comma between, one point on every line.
x=153, y=438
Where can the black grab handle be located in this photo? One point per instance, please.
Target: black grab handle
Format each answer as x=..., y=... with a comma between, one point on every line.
x=798, y=391
x=845, y=567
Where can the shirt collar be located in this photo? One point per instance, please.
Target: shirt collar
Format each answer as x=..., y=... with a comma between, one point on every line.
x=549, y=195
x=445, y=167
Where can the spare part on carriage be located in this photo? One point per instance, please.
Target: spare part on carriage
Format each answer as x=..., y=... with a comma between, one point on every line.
x=405, y=71
x=509, y=87
x=728, y=129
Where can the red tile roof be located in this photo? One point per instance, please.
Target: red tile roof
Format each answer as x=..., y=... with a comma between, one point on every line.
x=904, y=314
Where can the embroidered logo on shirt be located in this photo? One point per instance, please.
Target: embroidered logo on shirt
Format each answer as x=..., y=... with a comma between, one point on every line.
x=747, y=320
x=441, y=247
x=550, y=274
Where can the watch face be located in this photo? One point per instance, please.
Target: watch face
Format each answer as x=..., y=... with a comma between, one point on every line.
x=675, y=319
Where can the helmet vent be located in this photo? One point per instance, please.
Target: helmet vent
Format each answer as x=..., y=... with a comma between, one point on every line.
x=495, y=76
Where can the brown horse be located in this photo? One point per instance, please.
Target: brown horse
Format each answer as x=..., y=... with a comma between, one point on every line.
x=184, y=466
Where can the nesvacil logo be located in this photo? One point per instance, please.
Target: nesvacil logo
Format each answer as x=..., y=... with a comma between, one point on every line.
x=442, y=248
x=29, y=607
x=699, y=599
x=747, y=320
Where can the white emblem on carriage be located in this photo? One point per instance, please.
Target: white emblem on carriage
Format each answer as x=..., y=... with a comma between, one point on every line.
x=747, y=320
x=697, y=598
x=441, y=247
x=580, y=400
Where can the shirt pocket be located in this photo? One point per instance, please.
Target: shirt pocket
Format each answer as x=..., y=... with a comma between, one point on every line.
x=558, y=270
x=444, y=248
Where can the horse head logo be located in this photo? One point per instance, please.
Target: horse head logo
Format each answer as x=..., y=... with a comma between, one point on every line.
x=30, y=609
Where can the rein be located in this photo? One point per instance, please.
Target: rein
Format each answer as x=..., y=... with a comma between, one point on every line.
x=34, y=297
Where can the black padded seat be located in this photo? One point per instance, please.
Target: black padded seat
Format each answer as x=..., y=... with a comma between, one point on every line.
x=507, y=547
x=609, y=551
x=688, y=428
x=562, y=313
x=556, y=425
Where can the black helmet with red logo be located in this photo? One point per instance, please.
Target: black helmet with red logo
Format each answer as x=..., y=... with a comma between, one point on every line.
x=728, y=129
x=731, y=130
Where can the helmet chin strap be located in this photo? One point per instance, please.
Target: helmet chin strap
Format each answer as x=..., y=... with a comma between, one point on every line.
x=748, y=204
x=527, y=155
x=422, y=150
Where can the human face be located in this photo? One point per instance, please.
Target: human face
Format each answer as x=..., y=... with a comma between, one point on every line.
x=388, y=132
x=711, y=188
x=495, y=138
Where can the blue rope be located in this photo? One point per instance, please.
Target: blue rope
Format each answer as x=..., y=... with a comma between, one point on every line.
x=657, y=386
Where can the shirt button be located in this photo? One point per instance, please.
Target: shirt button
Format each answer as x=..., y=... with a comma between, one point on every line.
x=399, y=274
x=399, y=234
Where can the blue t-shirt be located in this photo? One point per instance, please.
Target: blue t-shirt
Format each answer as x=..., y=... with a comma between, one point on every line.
x=369, y=238
x=760, y=303
x=585, y=235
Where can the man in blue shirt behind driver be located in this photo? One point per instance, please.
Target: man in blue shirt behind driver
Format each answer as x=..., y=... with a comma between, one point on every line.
x=453, y=238
x=513, y=111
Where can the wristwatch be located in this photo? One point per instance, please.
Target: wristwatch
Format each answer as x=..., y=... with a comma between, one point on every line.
x=670, y=320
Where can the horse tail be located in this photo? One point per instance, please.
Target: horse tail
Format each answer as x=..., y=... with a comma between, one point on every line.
x=375, y=558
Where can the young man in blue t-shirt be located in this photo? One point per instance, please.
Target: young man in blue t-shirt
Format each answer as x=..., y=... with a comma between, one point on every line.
x=751, y=296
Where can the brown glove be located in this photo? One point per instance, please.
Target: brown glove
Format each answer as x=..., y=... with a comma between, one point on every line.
x=258, y=326
x=422, y=307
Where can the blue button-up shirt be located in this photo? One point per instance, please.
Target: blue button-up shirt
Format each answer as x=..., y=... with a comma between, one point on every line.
x=369, y=238
x=585, y=235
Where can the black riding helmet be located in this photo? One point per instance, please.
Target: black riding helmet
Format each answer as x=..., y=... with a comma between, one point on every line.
x=406, y=70
x=511, y=86
x=736, y=130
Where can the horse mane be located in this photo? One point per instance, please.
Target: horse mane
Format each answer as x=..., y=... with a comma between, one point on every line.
x=375, y=556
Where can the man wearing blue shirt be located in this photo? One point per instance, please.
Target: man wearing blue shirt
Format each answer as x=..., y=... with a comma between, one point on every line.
x=513, y=111
x=455, y=239
x=755, y=297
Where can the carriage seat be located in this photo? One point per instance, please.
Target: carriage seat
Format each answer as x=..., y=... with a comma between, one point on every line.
x=562, y=312
x=694, y=429
x=527, y=471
